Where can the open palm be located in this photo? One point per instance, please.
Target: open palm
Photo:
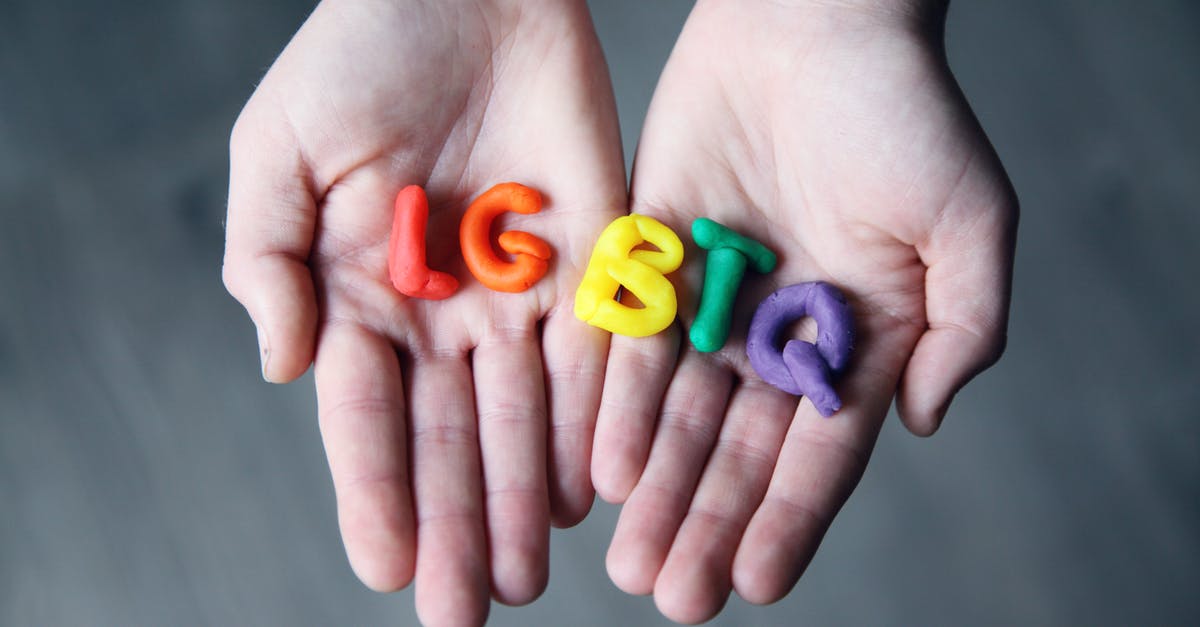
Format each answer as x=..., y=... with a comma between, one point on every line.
x=455, y=429
x=838, y=139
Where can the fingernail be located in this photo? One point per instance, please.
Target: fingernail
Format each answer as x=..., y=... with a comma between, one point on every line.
x=264, y=352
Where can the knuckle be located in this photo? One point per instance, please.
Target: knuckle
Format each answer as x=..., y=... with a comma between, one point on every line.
x=515, y=493
x=508, y=333
x=799, y=511
x=443, y=436
x=755, y=461
x=696, y=431
x=511, y=414
x=844, y=454
x=717, y=517
x=667, y=499
x=357, y=409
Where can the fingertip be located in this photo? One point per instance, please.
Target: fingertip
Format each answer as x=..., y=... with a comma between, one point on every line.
x=382, y=575
x=626, y=578
x=570, y=507
x=570, y=482
x=519, y=547
x=756, y=576
x=451, y=590
x=519, y=577
x=626, y=563
x=922, y=422
x=774, y=552
x=287, y=364
x=694, y=582
x=613, y=474
x=279, y=297
x=379, y=536
x=943, y=362
x=453, y=607
x=690, y=599
x=919, y=422
x=756, y=589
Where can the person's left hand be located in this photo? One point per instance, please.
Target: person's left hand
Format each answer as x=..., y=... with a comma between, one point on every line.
x=834, y=134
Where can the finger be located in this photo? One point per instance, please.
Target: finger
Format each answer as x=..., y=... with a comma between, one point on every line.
x=968, y=282
x=691, y=417
x=574, y=355
x=511, y=404
x=635, y=378
x=696, y=578
x=268, y=235
x=452, y=571
x=819, y=464
x=360, y=398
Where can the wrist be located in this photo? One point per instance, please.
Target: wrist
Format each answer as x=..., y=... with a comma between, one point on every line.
x=516, y=9
x=924, y=17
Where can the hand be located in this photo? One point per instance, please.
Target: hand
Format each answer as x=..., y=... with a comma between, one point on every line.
x=455, y=429
x=836, y=136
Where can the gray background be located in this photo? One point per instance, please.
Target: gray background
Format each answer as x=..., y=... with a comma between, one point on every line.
x=147, y=476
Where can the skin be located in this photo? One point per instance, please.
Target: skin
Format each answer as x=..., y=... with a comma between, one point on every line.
x=835, y=134
x=456, y=430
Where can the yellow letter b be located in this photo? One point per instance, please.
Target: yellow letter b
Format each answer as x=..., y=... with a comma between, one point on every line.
x=615, y=264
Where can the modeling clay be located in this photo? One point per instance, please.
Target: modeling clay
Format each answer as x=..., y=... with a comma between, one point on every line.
x=728, y=253
x=406, y=250
x=803, y=368
x=531, y=254
x=615, y=264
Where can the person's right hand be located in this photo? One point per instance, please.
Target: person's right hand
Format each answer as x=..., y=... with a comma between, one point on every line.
x=456, y=429
x=833, y=133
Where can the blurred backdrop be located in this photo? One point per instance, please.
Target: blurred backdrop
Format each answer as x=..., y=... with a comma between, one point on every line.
x=149, y=477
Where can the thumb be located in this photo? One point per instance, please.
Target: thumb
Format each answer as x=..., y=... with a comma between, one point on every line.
x=968, y=281
x=269, y=231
